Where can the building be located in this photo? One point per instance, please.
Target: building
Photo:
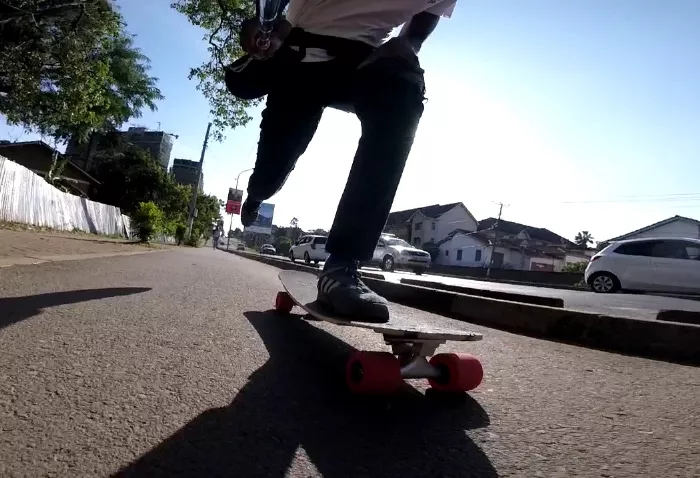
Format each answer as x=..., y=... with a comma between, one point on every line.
x=158, y=143
x=39, y=157
x=676, y=226
x=513, y=245
x=185, y=172
x=430, y=224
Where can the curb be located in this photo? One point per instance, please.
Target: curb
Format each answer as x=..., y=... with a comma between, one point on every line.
x=670, y=341
x=492, y=294
x=683, y=316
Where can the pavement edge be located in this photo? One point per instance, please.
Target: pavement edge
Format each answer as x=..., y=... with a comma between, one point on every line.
x=669, y=341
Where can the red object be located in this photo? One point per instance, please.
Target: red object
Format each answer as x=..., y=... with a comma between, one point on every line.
x=284, y=303
x=463, y=372
x=233, y=207
x=373, y=373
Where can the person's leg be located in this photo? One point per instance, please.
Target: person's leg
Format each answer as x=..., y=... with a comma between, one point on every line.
x=389, y=108
x=289, y=121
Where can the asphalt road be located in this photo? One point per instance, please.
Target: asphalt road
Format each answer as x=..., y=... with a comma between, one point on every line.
x=171, y=364
x=637, y=306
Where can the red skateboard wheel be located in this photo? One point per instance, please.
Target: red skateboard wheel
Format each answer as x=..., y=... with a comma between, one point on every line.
x=461, y=372
x=284, y=303
x=373, y=373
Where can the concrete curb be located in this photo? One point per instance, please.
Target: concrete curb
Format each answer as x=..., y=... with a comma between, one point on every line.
x=683, y=316
x=671, y=341
x=493, y=294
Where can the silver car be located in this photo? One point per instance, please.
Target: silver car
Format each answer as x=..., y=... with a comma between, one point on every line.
x=394, y=253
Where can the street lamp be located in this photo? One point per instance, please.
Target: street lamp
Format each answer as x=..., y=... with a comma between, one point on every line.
x=230, y=225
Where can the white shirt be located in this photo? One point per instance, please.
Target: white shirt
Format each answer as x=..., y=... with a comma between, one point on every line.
x=370, y=21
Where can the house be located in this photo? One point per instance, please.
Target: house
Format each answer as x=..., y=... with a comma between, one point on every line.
x=676, y=226
x=39, y=157
x=430, y=223
x=513, y=245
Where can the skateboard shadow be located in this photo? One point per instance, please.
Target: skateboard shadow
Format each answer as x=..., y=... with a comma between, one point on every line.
x=296, y=405
x=15, y=309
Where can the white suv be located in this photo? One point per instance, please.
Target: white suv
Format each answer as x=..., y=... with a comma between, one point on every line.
x=653, y=265
x=393, y=253
x=310, y=248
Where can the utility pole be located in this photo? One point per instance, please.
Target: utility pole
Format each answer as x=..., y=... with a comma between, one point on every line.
x=230, y=225
x=495, y=239
x=195, y=192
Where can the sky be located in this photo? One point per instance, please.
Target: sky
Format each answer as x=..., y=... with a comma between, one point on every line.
x=577, y=115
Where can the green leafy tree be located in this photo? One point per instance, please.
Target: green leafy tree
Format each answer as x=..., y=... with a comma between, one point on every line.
x=584, y=238
x=221, y=21
x=283, y=245
x=148, y=221
x=67, y=67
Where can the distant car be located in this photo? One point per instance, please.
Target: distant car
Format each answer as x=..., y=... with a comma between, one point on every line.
x=394, y=253
x=240, y=246
x=311, y=248
x=649, y=265
x=268, y=249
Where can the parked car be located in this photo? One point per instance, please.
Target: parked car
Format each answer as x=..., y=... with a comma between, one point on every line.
x=240, y=246
x=268, y=249
x=650, y=265
x=394, y=253
x=310, y=248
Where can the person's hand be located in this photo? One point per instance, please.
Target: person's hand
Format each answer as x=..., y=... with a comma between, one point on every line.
x=250, y=34
x=397, y=48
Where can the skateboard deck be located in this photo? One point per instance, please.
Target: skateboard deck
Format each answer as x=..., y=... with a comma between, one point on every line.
x=412, y=342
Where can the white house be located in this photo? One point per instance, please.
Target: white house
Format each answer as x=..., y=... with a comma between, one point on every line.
x=518, y=247
x=431, y=223
x=676, y=226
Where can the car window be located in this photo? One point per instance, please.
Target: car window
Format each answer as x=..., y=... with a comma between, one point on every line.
x=683, y=250
x=320, y=240
x=398, y=242
x=636, y=248
x=381, y=244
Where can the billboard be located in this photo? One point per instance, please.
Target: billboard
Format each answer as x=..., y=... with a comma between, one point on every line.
x=233, y=203
x=263, y=224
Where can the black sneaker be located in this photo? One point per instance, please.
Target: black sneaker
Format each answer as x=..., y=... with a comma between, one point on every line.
x=249, y=212
x=342, y=293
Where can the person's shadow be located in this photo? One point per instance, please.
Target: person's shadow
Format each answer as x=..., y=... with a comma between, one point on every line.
x=15, y=309
x=298, y=399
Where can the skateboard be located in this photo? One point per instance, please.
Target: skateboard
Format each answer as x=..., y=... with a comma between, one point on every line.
x=413, y=345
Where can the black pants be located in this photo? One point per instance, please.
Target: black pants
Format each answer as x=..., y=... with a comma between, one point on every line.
x=389, y=108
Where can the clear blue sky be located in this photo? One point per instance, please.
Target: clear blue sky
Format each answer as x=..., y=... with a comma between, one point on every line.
x=578, y=114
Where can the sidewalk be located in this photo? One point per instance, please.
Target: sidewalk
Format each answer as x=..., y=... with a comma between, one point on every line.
x=26, y=247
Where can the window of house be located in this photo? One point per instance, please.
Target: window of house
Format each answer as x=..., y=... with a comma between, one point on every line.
x=418, y=226
x=459, y=255
x=477, y=255
x=447, y=253
x=432, y=226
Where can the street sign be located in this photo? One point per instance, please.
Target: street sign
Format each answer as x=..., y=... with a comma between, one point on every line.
x=233, y=203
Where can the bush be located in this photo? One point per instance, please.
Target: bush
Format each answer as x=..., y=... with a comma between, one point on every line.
x=180, y=231
x=195, y=239
x=283, y=245
x=148, y=221
x=579, y=267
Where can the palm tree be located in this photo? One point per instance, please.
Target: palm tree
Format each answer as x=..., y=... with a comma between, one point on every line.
x=584, y=238
x=295, y=224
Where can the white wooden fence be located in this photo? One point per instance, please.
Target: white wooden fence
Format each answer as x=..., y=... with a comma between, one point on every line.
x=26, y=198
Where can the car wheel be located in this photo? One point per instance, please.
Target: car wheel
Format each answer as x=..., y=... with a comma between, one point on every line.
x=388, y=263
x=307, y=258
x=604, y=283
x=291, y=256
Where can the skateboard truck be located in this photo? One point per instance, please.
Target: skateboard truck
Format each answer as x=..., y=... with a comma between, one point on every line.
x=413, y=346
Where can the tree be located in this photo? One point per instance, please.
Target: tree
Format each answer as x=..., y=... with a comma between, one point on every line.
x=584, y=238
x=221, y=20
x=67, y=68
